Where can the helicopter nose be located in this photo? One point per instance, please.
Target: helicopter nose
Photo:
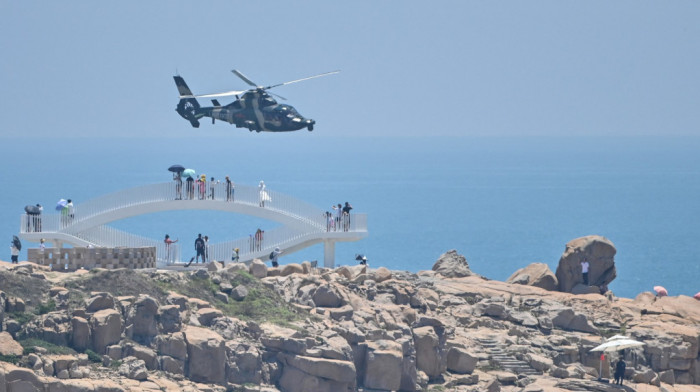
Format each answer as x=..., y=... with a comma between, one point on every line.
x=303, y=121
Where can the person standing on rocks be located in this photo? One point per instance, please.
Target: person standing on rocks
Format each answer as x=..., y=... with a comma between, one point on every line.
x=14, y=253
x=584, y=271
x=620, y=371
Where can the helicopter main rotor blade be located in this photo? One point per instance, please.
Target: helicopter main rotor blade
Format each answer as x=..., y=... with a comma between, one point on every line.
x=300, y=80
x=245, y=79
x=278, y=96
x=216, y=95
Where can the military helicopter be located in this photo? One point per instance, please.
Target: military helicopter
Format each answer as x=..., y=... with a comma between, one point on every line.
x=255, y=109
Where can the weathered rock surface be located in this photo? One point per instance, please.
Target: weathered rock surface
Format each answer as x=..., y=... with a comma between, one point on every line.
x=536, y=274
x=452, y=265
x=142, y=319
x=348, y=329
x=106, y=326
x=8, y=346
x=600, y=253
x=206, y=355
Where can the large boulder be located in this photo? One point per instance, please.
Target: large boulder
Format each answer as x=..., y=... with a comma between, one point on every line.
x=351, y=272
x=302, y=373
x=535, y=274
x=172, y=345
x=600, y=253
x=258, y=269
x=244, y=363
x=431, y=355
x=327, y=296
x=169, y=318
x=383, y=361
x=134, y=369
x=81, y=333
x=8, y=346
x=461, y=361
x=99, y=301
x=290, y=269
x=452, y=265
x=565, y=318
x=106, y=328
x=142, y=319
x=206, y=354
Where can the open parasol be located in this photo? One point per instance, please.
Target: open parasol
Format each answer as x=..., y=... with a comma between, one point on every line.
x=61, y=204
x=660, y=291
x=189, y=173
x=176, y=168
x=32, y=210
x=16, y=242
x=617, y=344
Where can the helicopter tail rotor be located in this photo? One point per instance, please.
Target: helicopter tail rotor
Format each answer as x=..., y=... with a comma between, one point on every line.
x=188, y=105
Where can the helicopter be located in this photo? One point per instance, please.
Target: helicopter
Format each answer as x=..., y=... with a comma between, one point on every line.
x=254, y=108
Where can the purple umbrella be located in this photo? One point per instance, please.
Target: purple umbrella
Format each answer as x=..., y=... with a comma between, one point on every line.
x=61, y=204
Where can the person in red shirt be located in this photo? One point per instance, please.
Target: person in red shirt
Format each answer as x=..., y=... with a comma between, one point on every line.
x=168, y=241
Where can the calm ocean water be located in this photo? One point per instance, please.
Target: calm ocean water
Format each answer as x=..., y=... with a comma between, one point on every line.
x=501, y=202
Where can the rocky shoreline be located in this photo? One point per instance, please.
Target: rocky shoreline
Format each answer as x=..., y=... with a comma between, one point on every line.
x=295, y=328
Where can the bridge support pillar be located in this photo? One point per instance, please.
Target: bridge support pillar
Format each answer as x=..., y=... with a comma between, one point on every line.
x=329, y=254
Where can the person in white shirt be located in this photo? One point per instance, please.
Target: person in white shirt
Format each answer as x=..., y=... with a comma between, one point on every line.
x=584, y=271
x=14, y=252
x=274, y=256
x=71, y=209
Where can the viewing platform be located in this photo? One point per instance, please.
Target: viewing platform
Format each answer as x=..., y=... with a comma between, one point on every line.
x=304, y=225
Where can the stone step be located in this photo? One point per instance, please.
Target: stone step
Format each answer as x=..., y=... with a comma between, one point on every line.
x=504, y=360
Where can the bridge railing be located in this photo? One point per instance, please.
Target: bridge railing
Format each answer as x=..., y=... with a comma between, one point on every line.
x=256, y=247
x=39, y=223
x=271, y=200
x=248, y=195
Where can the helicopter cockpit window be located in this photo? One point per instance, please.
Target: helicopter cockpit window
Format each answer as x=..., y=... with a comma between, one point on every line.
x=287, y=110
x=267, y=101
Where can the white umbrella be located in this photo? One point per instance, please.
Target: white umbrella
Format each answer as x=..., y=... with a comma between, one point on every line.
x=618, y=344
x=617, y=337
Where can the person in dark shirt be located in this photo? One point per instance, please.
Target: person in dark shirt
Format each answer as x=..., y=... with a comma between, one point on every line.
x=346, y=216
x=620, y=371
x=199, y=247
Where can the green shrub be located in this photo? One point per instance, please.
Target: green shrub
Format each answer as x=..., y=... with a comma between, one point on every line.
x=31, y=344
x=47, y=307
x=93, y=356
x=13, y=359
x=22, y=317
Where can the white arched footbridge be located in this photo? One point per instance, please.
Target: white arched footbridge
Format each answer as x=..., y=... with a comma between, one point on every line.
x=303, y=224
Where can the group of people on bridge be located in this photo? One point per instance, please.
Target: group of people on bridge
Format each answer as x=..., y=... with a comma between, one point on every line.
x=33, y=222
x=198, y=186
x=339, y=218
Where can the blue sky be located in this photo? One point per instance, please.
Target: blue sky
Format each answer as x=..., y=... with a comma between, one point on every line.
x=85, y=68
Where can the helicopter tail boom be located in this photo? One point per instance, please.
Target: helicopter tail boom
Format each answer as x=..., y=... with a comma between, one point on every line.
x=188, y=106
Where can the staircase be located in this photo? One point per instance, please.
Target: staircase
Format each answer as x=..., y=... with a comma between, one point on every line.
x=505, y=361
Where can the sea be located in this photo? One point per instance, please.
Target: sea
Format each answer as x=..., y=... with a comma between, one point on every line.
x=501, y=202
